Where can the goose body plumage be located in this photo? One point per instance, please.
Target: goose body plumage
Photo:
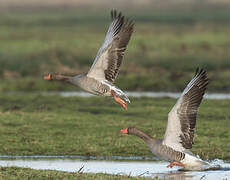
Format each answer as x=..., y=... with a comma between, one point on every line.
x=179, y=135
x=106, y=66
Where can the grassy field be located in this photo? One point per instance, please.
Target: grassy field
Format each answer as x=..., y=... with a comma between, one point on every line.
x=165, y=49
x=26, y=173
x=51, y=125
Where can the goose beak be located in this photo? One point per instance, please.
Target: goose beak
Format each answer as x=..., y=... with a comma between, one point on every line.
x=125, y=131
x=48, y=77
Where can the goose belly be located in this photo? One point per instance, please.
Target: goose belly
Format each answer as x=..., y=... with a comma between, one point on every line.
x=93, y=86
x=193, y=163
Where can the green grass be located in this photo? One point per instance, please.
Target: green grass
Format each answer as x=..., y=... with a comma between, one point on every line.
x=27, y=173
x=51, y=125
x=166, y=46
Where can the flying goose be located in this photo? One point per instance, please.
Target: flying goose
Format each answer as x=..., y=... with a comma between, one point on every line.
x=99, y=79
x=180, y=129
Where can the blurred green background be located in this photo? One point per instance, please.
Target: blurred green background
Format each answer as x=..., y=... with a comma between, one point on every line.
x=171, y=39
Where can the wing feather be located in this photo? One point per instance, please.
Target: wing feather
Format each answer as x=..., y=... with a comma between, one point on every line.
x=107, y=64
x=182, y=118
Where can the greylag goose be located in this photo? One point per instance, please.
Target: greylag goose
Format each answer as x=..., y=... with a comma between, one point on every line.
x=99, y=79
x=180, y=129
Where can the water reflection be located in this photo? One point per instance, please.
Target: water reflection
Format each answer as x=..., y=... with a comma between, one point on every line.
x=132, y=168
x=175, y=175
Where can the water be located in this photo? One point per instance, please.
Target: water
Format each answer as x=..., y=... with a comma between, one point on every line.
x=217, y=96
x=141, y=94
x=132, y=168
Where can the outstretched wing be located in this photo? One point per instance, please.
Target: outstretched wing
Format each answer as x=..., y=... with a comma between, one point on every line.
x=182, y=118
x=107, y=63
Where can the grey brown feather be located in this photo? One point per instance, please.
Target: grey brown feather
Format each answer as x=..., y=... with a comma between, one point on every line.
x=187, y=112
x=117, y=50
x=105, y=68
x=180, y=129
x=155, y=145
x=109, y=58
x=182, y=118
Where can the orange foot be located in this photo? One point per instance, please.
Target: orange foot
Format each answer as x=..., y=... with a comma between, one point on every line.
x=48, y=77
x=175, y=163
x=119, y=100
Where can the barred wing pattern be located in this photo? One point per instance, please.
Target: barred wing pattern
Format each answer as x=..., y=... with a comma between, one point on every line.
x=107, y=63
x=182, y=118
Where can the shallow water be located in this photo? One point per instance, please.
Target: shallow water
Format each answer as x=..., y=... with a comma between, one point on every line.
x=132, y=168
x=129, y=93
x=143, y=94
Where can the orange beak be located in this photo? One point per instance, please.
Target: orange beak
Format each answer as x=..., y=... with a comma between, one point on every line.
x=124, y=131
x=48, y=77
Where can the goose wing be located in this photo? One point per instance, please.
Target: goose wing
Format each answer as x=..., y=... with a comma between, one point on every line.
x=107, y=63
x=182, y=118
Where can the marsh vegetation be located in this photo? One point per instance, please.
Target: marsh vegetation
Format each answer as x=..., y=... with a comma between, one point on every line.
x=166, y=47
